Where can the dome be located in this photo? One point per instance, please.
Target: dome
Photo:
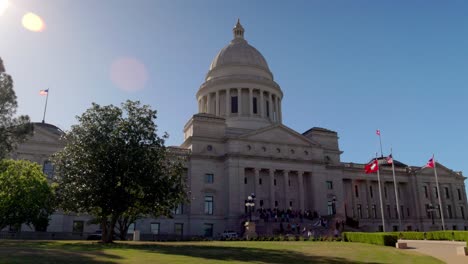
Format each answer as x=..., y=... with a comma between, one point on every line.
x=238, y=53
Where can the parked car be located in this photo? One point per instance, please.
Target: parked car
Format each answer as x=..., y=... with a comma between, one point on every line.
x=229, y=234
x=98, y=236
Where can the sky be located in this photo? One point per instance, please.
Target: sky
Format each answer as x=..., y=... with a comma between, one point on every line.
x=349, y=66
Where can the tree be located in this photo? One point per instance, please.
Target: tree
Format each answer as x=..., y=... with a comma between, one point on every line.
x=25, y=195
x=12, y=130
x=115, y=165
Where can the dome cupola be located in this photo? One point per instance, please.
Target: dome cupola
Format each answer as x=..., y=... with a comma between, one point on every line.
x=239, y=86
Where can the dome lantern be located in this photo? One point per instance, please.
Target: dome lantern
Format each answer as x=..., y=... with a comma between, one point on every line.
x=238, y=30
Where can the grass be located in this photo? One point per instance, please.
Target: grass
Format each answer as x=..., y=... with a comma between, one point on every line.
x=17, y=251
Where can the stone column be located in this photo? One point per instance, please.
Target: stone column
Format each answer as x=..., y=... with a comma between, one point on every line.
x=251, y=101
x=239, y=101
x=242, y=194
x=276, y=110
x=228, y=98
x=280, y=111
x=272, y=188
x=262, y=104
x=256, y=180
x=270, y=105
x=286, y=187
x=208, y=103
x=199, y=106
x=300, y=175
x=217, y=103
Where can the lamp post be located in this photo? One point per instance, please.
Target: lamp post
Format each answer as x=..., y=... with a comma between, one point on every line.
x=250, y=203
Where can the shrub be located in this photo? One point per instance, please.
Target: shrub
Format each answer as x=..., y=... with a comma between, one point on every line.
x=384, y=239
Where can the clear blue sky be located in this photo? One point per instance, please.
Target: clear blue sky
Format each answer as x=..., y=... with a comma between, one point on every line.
x=349, y=66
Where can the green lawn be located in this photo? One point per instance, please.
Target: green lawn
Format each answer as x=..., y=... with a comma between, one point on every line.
x=15, y=251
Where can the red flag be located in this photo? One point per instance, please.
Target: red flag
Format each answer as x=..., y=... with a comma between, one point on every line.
x=389, y=159
x=372, y=167
x=430, y=163
x=377, y=132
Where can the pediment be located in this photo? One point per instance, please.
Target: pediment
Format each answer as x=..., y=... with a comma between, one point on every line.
x=442, y=171
x=46, y=135
x=278, y=134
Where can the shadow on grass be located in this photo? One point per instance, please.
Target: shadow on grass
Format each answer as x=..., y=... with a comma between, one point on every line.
x=46, y=252
x=65, y=252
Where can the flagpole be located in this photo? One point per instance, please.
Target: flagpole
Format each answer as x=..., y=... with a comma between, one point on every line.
x=438, y=194
x=380, y=193
x=396, y=191
x=380, y=139
x=45, y=107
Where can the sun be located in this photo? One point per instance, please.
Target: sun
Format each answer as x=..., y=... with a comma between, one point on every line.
x=4, y=6
x=33, y=22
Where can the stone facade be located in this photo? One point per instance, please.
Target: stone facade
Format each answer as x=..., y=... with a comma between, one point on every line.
x=237, y=145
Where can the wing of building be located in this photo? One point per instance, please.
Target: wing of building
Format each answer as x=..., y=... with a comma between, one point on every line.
x=238, y=146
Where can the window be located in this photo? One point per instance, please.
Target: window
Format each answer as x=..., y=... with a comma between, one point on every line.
x=178, y=210
x=209, y=204
x=209, y=148
x=425, y=191
x=436, y=193
x=276, y=203
x=395, y=228
x=374, y=211
x=131, y=228
x=385, y=191
x=371, y=192
x=278, y=150
x=267, y=108
x=208, y=230
x=449, y=210
x=329, y=185
x=356, y=191
x=438, y=211
x=407, y=211
x=330, y=207
x=245, y=180
x=154, y=227
x=359, y=210
x=447, y=195
x=289, y=182
x=234, y=108
x=255, y=111
x=179, y=229
x=209, y=178
x=402, y=211
x=459, y=194
x=389, y=211
x=78, y=226
x=462, y=211
x=274, y=182
x=48, y=169
x=290, y=203
x=428, y=211
x=396, y=212
x=260, y=181
x=454, y=227
x=261, y=203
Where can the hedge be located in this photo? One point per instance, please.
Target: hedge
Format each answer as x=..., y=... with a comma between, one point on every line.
x=433, y=235
x=383, y=239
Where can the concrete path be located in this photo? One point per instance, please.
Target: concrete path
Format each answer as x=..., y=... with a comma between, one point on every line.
x=443, y=250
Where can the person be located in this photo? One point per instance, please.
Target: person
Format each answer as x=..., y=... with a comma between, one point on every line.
x=336, y=232
x=309, y=233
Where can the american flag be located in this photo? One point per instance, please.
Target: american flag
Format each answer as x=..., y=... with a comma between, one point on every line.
x=390, y=159
x=430, y=163
x=44, y=92
x=377, y=132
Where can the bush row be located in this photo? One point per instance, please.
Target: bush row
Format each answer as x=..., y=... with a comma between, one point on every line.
x=282, y=238
x=383, y=239
x=433, y=235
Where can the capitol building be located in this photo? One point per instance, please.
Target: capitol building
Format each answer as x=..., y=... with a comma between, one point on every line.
x=236, y=145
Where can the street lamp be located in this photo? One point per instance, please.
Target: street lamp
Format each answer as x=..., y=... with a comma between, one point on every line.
x=250, y=203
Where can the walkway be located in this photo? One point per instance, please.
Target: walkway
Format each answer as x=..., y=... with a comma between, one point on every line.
x=443, y=250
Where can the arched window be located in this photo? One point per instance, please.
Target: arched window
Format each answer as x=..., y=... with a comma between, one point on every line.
x=48, y=169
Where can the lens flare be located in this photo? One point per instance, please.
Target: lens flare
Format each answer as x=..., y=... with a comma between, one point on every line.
x=33, y=22
x=129, y=74
x=3, y=6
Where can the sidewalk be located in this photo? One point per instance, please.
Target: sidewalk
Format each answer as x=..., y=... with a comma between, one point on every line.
x=443, y=250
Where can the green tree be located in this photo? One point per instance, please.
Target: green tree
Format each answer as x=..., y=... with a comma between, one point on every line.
x=25, y=195
x=13, y=130
x=114, y=163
